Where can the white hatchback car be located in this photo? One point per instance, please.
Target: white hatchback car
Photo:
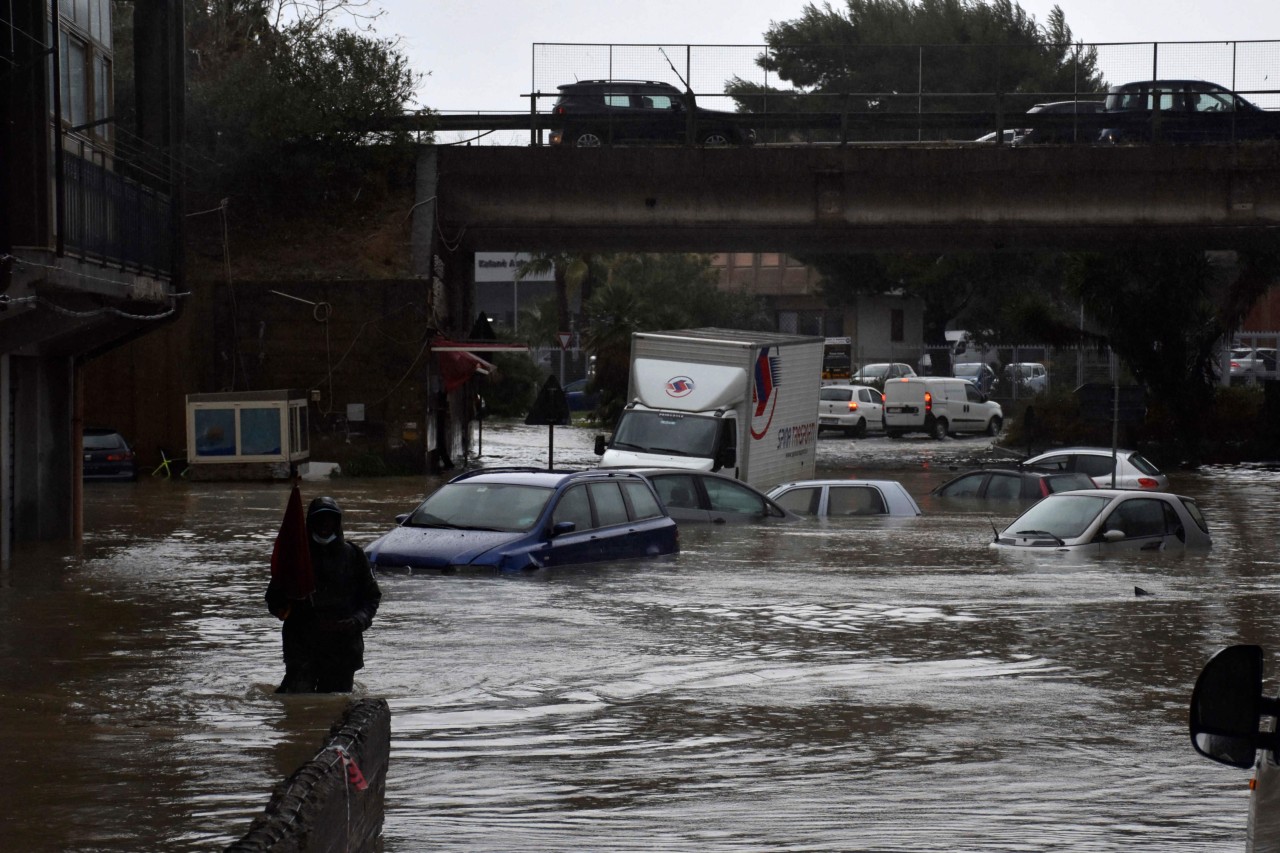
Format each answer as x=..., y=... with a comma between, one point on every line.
x=852, y=408
x=844, y=498
x=1132, y=469
x=1102, y=520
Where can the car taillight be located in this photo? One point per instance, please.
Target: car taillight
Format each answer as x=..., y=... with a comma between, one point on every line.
x=853, y=405
x=556, y=137
x=120, y=457
x=928, y=401
x=559, y=110
x=1148, y=483
x=882, y=398
x=1235, y=365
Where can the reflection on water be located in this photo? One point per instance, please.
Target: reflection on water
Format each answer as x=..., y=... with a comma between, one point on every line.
x=868, y=685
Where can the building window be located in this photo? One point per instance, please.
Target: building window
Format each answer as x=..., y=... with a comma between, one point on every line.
x=84, y=79
x=897, y=325
x=75, y=81
x=770, y=259
x=800, y=322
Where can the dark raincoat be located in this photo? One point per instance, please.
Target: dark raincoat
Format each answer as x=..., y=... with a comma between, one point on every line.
x=324, y=633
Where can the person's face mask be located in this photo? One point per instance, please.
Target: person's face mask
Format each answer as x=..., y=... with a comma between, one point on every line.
x=324, y=529
x=323, y=540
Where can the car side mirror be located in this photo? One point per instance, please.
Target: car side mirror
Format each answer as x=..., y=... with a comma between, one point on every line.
x=402, y=518
x=562, y=527
x=600, y=445
x=1226, y=705
x=1112, y=535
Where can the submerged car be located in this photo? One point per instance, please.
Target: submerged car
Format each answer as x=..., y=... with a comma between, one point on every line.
x=845, y=498
x=1101, y=520
x=1007, y=484
x=854, y=409
x=1131, y=468
x=107, y=456
x=704, y=496
x=514, y=519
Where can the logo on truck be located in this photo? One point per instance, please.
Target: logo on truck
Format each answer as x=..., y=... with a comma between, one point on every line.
x=764, y=392
x=679, y=386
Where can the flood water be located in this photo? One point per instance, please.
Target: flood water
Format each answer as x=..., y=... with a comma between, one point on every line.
x=870, y=685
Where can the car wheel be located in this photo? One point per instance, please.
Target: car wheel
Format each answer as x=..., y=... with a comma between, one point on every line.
x=716, y=138
x=588, y=139
x=938, y=430
x=993, y=427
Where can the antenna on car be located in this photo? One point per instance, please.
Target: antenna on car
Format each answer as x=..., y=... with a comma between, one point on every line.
x=679, y=76
x=993, y=527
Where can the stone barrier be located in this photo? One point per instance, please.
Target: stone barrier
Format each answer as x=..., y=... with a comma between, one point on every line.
x=334, y=802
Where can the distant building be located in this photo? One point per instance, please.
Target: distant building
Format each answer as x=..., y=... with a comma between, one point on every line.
x=878, y=328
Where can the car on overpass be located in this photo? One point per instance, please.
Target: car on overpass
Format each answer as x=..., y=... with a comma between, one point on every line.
x=1183, y=111
x=593, y=113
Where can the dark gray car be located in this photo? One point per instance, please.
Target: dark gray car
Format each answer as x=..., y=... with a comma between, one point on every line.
x=706, y=497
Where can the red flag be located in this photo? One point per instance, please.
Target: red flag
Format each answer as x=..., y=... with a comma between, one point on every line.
x=291, y=556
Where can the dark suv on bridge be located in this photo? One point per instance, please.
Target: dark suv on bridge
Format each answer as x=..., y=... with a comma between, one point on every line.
x=1182, y=111
x=592, y=113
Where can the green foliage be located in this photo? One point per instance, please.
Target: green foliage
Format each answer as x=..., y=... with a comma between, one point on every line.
x=282, y=111
x=511, y=391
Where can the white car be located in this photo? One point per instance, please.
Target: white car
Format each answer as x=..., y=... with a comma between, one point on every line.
x=1132, y=469
x=844, y=498
x=1248, y=361
x=938, y=406
x=1102, y=520
x=852, y=408
x=1027, y=377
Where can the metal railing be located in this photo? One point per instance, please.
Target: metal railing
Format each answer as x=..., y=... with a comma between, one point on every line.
x=112, y=210
x=914, y=100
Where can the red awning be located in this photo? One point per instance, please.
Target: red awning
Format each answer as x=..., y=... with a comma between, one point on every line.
x=458, y=363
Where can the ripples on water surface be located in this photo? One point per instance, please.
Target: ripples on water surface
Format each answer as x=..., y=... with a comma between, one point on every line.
x=882, y=686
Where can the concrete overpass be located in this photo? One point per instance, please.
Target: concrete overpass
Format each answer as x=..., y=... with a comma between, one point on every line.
x=848, y=198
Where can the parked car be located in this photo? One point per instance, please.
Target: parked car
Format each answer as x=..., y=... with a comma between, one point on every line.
x=1026, y=378
x=1132, y=470
x=704, y=496
x=579, y=398
x=592, y=113
x=1011, y=484
x=107, y=456
x=876, y=375
x=1182, y=111
x=1251, y=361
x=938, y=406
x=1081, y=125
x=855, y=409
x=976, y=373
x=845, y=498
x=1101, y=520
x=513, y=519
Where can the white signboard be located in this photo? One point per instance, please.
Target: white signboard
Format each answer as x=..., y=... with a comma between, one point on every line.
x=502, y=266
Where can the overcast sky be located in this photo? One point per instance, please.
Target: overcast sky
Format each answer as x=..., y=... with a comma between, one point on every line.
x=480, y=52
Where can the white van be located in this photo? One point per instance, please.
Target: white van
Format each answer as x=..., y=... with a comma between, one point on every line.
x=939, y=406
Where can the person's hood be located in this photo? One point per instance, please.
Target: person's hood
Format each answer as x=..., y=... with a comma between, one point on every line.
x=323, y=505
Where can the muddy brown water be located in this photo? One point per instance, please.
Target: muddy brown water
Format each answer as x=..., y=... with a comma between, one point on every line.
x=875, y=685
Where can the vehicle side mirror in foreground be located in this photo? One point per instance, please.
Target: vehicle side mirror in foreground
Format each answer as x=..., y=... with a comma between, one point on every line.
x=1113, y=536
x=726, y=458
x=562, y=527
x=1226, y=705
x=402, y=518
x=600, y=445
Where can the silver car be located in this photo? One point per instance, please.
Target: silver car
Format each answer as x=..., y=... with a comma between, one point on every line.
x=851, y=408
x=1103, y=520
x=1131, y=468
x=845, y=498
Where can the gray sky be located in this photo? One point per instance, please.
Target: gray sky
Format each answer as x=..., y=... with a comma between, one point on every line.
x=480, y=54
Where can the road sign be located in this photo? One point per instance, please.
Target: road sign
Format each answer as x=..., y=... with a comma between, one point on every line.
x=564, y=337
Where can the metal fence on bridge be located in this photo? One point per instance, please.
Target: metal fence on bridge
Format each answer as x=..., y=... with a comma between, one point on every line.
x=917, y=78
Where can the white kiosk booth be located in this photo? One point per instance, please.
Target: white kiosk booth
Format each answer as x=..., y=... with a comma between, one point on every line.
x=246, y=435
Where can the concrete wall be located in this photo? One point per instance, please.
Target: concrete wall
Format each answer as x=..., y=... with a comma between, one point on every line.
x=38, y=470
x=318, y=809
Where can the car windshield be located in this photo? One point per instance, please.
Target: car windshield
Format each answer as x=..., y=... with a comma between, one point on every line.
x=837, y=394
x=1063, y=516
x=482, y=506
x=968, y=369
x=109, y=441
x=667, y=432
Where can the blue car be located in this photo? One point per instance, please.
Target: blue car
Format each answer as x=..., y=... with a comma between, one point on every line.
x=579, y=399
x=516, y=519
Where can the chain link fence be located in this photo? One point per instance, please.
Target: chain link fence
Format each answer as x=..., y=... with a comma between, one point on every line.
x=914, y=79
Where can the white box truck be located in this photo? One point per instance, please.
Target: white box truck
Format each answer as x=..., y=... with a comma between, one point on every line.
x=745, y=403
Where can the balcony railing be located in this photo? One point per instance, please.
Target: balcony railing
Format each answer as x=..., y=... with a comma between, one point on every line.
x=111, y=216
